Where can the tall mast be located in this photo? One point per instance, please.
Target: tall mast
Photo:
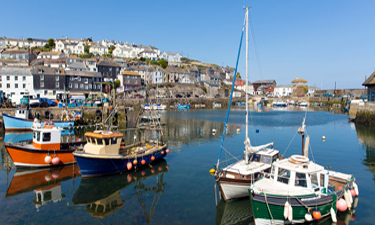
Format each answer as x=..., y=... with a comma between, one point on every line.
x=247, y=70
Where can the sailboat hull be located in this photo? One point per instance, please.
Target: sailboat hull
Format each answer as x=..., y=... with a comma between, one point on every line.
x=234, y=188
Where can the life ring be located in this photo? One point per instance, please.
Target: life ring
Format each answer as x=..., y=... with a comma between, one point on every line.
x=98, y=119
x=98, y=112
x=298, y=159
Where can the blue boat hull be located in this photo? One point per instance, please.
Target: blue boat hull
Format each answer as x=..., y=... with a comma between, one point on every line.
x=12, y=123
x=183, y=106
x=97, y=166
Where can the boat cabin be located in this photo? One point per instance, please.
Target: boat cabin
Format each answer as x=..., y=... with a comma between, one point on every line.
x=298, y=173
x=47, y=138
x=103, y=143
x=21, y=113
x=267, y=156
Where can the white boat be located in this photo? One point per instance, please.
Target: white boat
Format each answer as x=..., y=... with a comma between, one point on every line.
x=234, y=179
x=304, y=104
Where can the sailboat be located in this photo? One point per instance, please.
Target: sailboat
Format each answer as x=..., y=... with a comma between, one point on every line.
x=234, y=180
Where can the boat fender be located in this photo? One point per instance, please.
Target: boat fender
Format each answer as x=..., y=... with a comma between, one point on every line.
x=316, y=214
x=333, y=215
x=341, y=205
x=349, y=205
x=129, y=165
x=356, y=188
x=167, y=151
x=135, y=162
x=55, y=160
x=350, y=196
x=308, y=217
x=286, y=208
x=143, y=162
x=290, y=213
x=48, y=159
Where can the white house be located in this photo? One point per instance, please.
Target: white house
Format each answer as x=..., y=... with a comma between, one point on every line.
x=50, y=55
x=22, y=42
x=16, y=82
x=125, y=52
x=70, y=47
x=312, y=90
x=171, y=56
x=149, y=54
x=249, y=88
x=98, y=49
x=283, y=90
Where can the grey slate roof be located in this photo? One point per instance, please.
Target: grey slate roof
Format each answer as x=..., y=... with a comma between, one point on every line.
x=15, y=71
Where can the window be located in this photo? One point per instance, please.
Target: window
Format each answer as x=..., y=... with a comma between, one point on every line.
x=8, y=77
x=99, y=141
x=110, y=69
x=106, y=141
x=46, y=137
x=94, y=69
x=37, y=135
x=45, y=92
x=70, y=85
x=15, y=77
x=254, y=158
x=54, y=92
x=15, y=85
x=300, y=180
x=24, y=78
x=86, y=80
x=79, y=78
x=76, y=86
x=81, y=86
x=90, y=86
x=114, y=140
x=41, y=77
x=57, y=84
x=314, y=180
x=42, y=84
x=94, y=86
x=266, y=159
x=1, y=85
x=86, y=86
x=283, y=176
x=71, y=78
x=8, y=85
x=57, y=78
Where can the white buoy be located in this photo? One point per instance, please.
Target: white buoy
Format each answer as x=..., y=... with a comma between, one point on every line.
x=333, y=215
x=324, y=138
x=213, y=131
x=308, y=217
x=238, y=130
x=290, y=211
x=286, y=210
x=350, y=196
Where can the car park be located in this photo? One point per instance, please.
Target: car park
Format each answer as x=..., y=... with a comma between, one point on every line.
x=178, y=96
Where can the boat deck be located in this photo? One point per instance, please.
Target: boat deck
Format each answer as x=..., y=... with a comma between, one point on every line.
x=247, y=169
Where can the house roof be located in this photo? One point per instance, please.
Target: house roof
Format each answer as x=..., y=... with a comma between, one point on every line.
x=131, y=73
x=82, y=73
x=370, y=81
x=78, y=65
x=264, y=82
x=25, y=70
x=15, y=52
x=299, y=80
x=108, y=63
x=51, y=53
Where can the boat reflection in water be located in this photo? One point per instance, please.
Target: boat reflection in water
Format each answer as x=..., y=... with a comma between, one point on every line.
x=46, y=183
x=101, y=195
x=236, y=211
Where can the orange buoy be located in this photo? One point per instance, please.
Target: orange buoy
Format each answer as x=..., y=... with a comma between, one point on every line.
x=143, y=161
x=167, y=151
x=135, y=162
x=340, y=187
x=152, y=158
x=162, y=152
x=352, y=191
x=160, y=168
x=317, y=215
x=129, y=165
x=143, y=172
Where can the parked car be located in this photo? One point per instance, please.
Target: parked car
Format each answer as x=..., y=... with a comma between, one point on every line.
x=217, y=96
x=138, y=96
x=187, y=95
x=197, y=96
x=178, y=96
x=42, y=102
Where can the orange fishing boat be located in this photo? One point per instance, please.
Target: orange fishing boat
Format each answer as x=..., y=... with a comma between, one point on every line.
x=45, y=150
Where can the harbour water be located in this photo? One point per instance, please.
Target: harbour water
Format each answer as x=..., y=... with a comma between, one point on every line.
x=180, y=189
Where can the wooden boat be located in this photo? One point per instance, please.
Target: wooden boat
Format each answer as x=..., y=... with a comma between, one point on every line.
x=45, y=150
x=234, y=179
x=21, y=121
x=298, y=191
x=102, y=154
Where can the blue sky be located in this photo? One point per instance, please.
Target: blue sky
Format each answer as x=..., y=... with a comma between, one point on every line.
x=320, y=41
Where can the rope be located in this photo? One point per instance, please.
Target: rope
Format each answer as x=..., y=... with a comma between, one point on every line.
x=290, y=142
x=265, y=197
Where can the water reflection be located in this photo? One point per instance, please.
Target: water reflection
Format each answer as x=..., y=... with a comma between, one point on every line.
x=101, y=199
x=45, y=183
x=237, y=211
x=366, y=137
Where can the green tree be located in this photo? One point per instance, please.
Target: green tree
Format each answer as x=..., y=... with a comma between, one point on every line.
x=117, y=83
x=29, y=39
x=110, y=50
x=89, y=39
x=163, y=63
x=51, y=43
x=86, y=48
x=238, y=75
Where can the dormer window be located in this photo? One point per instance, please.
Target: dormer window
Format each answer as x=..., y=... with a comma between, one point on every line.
x=57, y=71
x=40, y=71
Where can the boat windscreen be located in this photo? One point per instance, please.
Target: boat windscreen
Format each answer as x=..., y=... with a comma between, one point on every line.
x=266, y=159
x=99, y=141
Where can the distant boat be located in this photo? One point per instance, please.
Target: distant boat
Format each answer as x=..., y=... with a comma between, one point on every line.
x=304, y=104
x=21, y=121
x=216, y=105
x=183, y=106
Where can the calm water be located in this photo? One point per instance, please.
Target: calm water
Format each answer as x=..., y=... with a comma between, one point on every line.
x=180, y=190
